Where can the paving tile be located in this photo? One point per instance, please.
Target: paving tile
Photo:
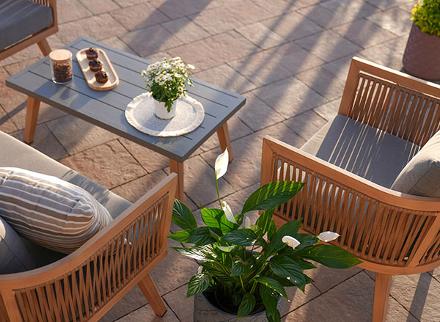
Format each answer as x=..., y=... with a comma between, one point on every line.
x=181, y=305
x=108, y=164
x=215, y=50
x=328, y=45
x=248, y=12
x=150, y=160
x=364, y=33
x=395, y=20
x=244, y=170
x=71, y=10
x=348, y=301
x=419, y=294
x=138, y=16
x=261, y=35
x=150, y=40
x=45, y=142
x=135, y=189
x=128, y=3
x=179, y=8
x=116, y=42
x=323, y=82
x=256, y=114
x=185, y=30
x=132, y=301
x=100, y=6
x=146, y=314
x=6, y=124
x=325, y=278
x=290, y=97
x=306, y=124
x=226, y=77
x=280, y=7
x=25, y=54
x=200, y=181
x=97, y=27
x=383, y=55
x=339, y=67
x=297, y=298
x=86, y=134
x=217, y=20
x=328, y=110
x=386, y=4
x=292, y=26
x=46, y=113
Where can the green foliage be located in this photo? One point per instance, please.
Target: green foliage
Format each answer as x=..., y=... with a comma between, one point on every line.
x=426, y=16
x=247, y=265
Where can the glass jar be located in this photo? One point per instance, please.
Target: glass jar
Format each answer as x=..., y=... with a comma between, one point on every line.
x=61, y=65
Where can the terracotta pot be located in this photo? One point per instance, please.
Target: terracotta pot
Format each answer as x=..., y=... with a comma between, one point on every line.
x=422, y=55
x=206, y=312
x=161, y=111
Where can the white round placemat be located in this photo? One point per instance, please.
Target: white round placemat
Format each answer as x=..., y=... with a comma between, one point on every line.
x=140, y=114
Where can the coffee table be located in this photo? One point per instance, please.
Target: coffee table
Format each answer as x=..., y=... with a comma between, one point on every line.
x=106, y=109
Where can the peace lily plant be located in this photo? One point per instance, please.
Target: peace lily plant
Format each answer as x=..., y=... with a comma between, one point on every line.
x=246, y=266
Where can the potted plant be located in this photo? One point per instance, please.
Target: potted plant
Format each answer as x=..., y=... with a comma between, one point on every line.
x=245, y=266
x=166, y=80
x=422, y=52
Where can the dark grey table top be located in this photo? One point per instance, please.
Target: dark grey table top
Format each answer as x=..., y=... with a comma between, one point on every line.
x=106, y=109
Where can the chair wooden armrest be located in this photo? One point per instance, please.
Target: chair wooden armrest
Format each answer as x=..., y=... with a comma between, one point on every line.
x=85, y=284
x=392, y=101
x=389, y=230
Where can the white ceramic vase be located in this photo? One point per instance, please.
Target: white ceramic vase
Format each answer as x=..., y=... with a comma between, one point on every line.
x=161, y=111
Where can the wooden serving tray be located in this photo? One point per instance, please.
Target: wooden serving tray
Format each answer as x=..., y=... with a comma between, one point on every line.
x=113, y=79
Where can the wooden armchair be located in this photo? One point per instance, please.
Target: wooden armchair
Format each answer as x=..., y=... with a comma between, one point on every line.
x=38, y=37
x=84, y=285
x=391, y=232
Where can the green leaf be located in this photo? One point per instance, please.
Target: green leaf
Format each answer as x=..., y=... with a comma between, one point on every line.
x=290, y=229
x=305, y=265
x=217, y=269
x=182, y=216
x=201, y=236
x=284, y=266
x=330, y=256
x=241, y=237
x=180, y=236
x=247, y=305
x=198, y=284
x=266, y=224
x=237, y=268
x=197, y=253
x=272, y=284
x=215, y=218
x=271, y=195
x=225, y=249
x=270, y=301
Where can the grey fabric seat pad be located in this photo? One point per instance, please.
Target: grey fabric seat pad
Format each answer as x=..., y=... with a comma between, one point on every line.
x=361, y=149
x=14, y=153
x=20, y=19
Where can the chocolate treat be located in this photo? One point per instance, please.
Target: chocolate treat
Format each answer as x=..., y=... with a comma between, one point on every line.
x=91, y=53
x=101, y=77
x=62, y=72
x=95, y=65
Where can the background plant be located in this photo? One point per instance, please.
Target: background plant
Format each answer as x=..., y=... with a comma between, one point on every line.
x=426, y=16
x=167, y=80
x=247, y=265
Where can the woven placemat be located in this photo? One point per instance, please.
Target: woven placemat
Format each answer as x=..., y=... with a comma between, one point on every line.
x=140, y=114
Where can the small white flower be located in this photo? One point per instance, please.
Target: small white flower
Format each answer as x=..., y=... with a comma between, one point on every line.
x=228, y=212
x=328, y=236
x=247, y=223
x=221, y=164
x=290, y=241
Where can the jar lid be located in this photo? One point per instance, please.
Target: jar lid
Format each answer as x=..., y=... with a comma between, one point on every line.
x=60, y=55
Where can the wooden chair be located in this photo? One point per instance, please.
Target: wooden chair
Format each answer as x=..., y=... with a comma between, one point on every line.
x=39, y=37
x=84, y=285
x=391, y=232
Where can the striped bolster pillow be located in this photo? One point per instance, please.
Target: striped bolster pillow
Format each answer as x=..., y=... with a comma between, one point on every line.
x=49, y=211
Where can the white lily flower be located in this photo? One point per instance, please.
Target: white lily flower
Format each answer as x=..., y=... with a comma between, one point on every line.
x=247, y=223
x=221, y=164
x=328, y=236
x=228, y=212
x=290, y=241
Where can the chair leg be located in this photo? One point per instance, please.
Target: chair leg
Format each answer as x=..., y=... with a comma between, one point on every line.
x=152, y=295
x=33, y=106
x=381, y=296
x=44, y=47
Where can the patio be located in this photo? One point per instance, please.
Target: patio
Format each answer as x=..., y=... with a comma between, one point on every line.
x=289, y=58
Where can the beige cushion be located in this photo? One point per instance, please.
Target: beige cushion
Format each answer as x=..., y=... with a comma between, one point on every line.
x=421, y=176
x=361, y=149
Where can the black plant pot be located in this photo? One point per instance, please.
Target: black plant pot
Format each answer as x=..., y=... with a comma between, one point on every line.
x=422, y=55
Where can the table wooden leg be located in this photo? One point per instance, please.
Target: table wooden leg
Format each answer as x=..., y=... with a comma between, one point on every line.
x=177, y=167
x=33, y=106
x=225, y=141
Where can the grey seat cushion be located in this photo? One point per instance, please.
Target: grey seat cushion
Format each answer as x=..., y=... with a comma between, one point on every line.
x=363, y=150
x=14, y=153
x=421, y=176
x=20, y=19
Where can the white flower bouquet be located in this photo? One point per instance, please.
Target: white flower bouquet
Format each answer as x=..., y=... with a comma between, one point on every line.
x=167, y=80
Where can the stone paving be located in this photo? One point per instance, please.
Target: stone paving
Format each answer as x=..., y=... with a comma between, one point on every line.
x=290, y=59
